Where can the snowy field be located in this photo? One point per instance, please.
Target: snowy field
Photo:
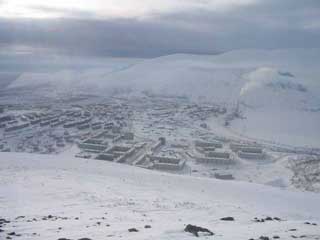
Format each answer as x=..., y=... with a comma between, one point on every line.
x=58, y=196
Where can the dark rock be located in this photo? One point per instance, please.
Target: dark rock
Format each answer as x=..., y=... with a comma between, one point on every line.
x=8, y=237
x=76, y=218
x=268, y=219
x=314, y=224
x=277, y=219
x=2, y=221
x=20, y=217
x=227, y=219
x=84, y=239
x=11, y=233
x=294, y=236
x=259, y=220
x=264, y=238
x=195, y=230
x=147, y=226
x=292, y=229
x=133, y=230
x=275, y=237
x=303, y=236
x=1, y=230
x=50, y=216
x=64, y=239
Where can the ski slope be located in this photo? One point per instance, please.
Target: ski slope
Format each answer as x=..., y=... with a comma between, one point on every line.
x=102, y=200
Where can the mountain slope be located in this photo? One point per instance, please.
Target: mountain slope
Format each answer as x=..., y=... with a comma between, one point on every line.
x=278, y=90
x=212, y=76
x=97, y=199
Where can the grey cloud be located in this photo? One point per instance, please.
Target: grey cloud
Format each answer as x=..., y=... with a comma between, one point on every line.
x=266, y=24
x=93, y=37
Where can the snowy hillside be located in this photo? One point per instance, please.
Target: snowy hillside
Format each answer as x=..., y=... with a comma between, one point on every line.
x=51, y=197
x=278, y=90
x=212, y=76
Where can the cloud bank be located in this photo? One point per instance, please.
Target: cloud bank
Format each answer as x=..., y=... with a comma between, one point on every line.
x=140, y=30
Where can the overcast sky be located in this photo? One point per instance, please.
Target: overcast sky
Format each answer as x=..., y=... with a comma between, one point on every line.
x=148, y=28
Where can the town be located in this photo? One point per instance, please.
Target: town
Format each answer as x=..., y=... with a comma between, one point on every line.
x=163, y=133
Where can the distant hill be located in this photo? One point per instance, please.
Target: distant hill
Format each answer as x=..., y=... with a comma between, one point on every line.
x=278, y=90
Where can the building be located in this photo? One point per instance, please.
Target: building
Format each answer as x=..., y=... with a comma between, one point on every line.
x=167, y=163
x=224, y=176
x=141, y=161
x=44, y=123
x=107, y=135
x=77, y=123
x=211, y=144
x=216, y=158
x=6, y=118
x=117, y=153
x=108, y=125
x=225, y=155
x=83, y=126
x=35, y=121
x=93, y=145
x=251, y=153
x=239, y=147
x=156, y=147
x=128, y=136
x=16, y=127
x=106, y=157
x=247, y=151
x=96, y=126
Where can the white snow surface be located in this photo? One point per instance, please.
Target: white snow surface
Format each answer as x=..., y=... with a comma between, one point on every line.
x=123, y=196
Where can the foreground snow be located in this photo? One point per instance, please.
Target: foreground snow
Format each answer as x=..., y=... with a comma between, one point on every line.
x=101, y=200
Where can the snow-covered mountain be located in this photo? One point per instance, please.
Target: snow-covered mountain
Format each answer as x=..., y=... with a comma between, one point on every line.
x=278, y=90
x=218, y=77
x=52, y=197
